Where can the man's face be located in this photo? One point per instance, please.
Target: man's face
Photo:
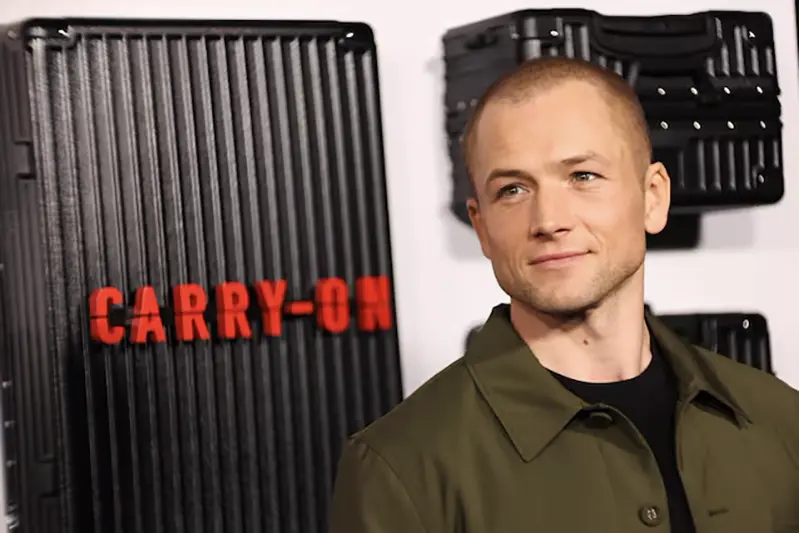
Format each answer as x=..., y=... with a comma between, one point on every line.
x=562, y=204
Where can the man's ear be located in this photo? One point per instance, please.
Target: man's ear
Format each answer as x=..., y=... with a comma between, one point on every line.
x=478, y=223
x=473, y=208
x=657, y=198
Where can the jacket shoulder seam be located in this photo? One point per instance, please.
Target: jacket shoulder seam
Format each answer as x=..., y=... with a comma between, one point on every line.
x=396, y=476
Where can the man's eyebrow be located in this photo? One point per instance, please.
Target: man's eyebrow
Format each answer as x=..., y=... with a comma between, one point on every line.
x=590, y=155
x=508, y=173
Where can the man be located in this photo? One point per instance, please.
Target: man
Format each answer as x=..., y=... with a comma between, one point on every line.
x=574, y=410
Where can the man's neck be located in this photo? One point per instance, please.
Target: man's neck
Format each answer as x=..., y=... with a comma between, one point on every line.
x=611, y=343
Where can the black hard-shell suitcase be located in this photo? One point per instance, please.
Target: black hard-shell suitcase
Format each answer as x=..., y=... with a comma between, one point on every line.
x=707, y=81
x=219, y=157
x=743, y=337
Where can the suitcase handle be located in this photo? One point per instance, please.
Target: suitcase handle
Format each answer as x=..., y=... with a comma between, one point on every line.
x=658, y=44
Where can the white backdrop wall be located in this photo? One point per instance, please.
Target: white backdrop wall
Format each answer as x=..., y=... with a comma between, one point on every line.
x=748, y=260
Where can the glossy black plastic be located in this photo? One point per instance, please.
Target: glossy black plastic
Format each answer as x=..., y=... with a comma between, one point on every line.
x=162, y=152
x=743, y=337
x=708, y=83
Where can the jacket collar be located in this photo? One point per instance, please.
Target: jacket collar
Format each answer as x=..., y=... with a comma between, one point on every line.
x=520, y=390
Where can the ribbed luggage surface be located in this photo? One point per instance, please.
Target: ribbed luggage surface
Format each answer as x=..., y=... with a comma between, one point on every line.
x=146, y=153
x=707, y=81
x=743, y=337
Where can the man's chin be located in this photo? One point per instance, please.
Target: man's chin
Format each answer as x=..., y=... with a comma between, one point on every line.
x=564, y=309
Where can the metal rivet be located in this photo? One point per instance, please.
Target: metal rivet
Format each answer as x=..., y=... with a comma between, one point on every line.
x=762, y=124
x=727, y=90
x=661, y=91
x=694, y=91
x=350, y=35
x=461, y=106
x=746, y=324
x=697, y=125
x=12, y=34
x=730, y=125
x=761, y=178
x=751, y=35
x=759, y=89
x=664, y=125
x=554, y=33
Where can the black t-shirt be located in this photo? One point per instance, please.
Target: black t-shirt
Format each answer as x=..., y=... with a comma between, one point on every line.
x=649, y=401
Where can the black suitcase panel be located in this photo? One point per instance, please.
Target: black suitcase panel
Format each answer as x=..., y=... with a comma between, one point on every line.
x=707, y=81
x=164, y=153
x=743, y=337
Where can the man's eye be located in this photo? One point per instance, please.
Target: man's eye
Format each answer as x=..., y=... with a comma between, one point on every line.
x=509, y=190
x=583, y=176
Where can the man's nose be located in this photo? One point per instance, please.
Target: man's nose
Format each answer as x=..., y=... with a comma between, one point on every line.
x=551, y=211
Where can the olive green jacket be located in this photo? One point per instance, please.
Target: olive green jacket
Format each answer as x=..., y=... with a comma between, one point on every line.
x=491, y=445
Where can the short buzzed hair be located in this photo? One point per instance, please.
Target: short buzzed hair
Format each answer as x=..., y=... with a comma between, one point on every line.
x=539, y=74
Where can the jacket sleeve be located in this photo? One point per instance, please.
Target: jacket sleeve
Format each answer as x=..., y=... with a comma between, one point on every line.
x=368, y=497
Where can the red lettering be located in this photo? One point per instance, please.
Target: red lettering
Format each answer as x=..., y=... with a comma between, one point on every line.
x=299, y=308
x=271, y=295
x=373, y=295
x=147, y=318
x=333, y=306
x=100, y=302
x=232, y=301
x=190, y=303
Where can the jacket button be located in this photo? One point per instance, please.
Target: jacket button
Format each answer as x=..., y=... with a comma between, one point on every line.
x=650, y=515
x=599, y=419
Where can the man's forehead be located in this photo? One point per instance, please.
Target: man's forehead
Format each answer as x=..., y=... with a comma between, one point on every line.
x=536, y=125
x=510, y=125
x=573, y=99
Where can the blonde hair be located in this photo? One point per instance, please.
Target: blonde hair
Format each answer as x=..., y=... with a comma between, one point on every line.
x=539, y=74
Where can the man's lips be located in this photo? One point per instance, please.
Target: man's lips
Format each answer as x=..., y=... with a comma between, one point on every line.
x=550, y=258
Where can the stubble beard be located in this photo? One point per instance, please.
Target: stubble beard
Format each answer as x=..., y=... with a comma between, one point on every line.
x=578, y=305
